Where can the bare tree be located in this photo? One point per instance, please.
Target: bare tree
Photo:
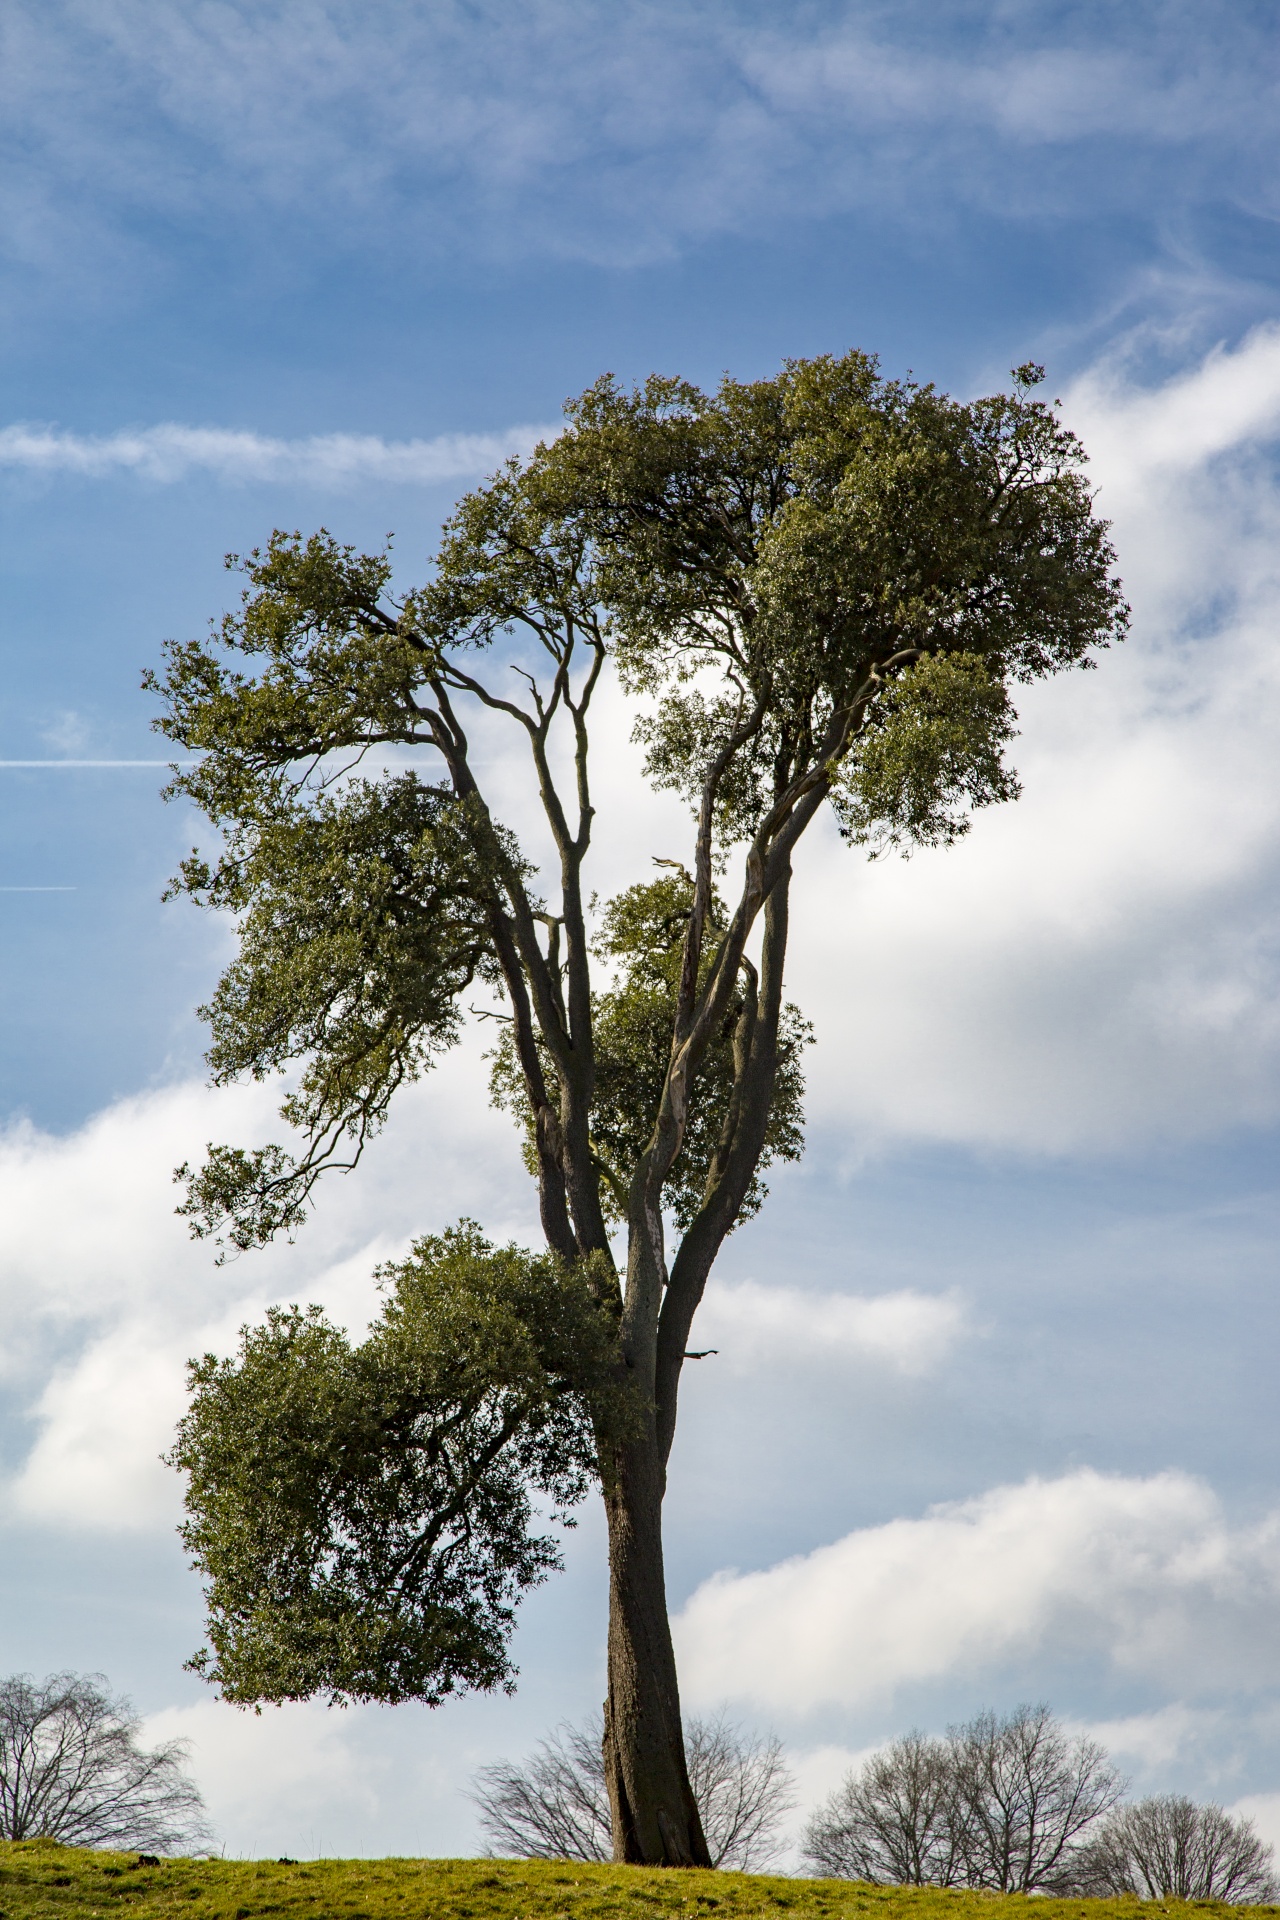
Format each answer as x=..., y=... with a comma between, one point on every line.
x=1169, y=1848
x=743, y=1790
x=999, y=1803
x=1027, y=1793
x=71, y=1769
x=555, y=1804
x=895, y=1821
x=552, y=1806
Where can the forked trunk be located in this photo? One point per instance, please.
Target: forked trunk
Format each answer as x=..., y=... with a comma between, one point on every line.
x=655, y=1816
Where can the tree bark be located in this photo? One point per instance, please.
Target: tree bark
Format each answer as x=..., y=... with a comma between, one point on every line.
x=655, y=1816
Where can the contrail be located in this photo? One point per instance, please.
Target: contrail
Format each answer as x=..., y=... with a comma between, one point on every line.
x=170, y=452
x=86, y=763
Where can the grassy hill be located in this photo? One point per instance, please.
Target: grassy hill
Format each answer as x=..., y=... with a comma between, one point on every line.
x=40, y=1881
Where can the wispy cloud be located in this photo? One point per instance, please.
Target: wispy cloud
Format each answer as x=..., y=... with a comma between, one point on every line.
x=573, y=127
x=170, y=452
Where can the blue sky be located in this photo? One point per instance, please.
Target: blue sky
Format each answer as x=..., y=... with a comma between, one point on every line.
x=1013, y=1323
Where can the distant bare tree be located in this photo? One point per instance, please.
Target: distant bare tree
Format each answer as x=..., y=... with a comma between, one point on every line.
x=893, y=1821
x=71, y=1769
x=1169, y=1848
x=552, y=1806
x=743, y=1790
x=555, y=1805
x=998, y=1803
x=1027, y=1792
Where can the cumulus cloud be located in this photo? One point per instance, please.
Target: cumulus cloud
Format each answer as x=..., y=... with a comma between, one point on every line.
x=755, y=1325
x=1264, y=1811
x=1153, y=1742
x=1144, y=1575
x=171, y=452
x=103, y=1296
x=1098, y=966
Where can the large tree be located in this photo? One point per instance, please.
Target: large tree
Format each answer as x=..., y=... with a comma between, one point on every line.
x=818, y=590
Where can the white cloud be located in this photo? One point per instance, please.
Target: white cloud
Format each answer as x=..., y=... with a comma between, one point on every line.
x=103, y=1296
x=170, y=452
x=1099, y=965
x=103, y=1422
x=578, y=129
x=277, y=1780
x=755, y=1326
x=68, y=733
x=1155, y=1741
x=1264, y=1811
x=1143, y=1575
x=1231, y=400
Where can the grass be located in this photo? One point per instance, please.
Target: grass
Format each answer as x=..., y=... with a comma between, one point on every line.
x=42, y=1881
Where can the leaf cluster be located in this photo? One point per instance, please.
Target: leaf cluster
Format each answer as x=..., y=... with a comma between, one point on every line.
x=363, y=915
x=329, y=665
x=640, y=935
x=801, y=541
x=365, y=1515
x=930, y=753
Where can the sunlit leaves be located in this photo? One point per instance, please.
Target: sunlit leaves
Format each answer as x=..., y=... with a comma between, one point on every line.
x=930, y=754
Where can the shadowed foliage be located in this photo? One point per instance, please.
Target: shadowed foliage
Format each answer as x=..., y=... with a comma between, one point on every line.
x=364, y=1514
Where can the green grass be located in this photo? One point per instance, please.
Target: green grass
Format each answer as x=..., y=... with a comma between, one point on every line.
x=41, y=1881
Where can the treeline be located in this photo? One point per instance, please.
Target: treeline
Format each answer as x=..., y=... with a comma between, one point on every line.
x=1014, y=1805
x=1009, y=1804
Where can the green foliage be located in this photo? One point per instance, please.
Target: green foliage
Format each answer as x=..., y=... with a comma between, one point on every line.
x=826, y=577
x=41, y=1881
x=364, y=1515
x=641, y=932
x=332, y=668
x=930, y=754
x=793, y=536
x=363, y=916
x=819, y=587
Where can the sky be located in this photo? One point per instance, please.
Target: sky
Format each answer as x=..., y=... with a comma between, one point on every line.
x=993, y=1414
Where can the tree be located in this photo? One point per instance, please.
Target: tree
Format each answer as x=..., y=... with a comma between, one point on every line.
x=555, y=1806
x=896, y=1821
x=1167, y=1848
x=819, y=590
x=999, y=1804
x=1027, y=1793
x=71, y=1770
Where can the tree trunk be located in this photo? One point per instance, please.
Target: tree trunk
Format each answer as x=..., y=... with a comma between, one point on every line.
x=655, y=1816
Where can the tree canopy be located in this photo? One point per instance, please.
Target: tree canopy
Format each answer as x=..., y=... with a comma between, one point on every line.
x=818, y=589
